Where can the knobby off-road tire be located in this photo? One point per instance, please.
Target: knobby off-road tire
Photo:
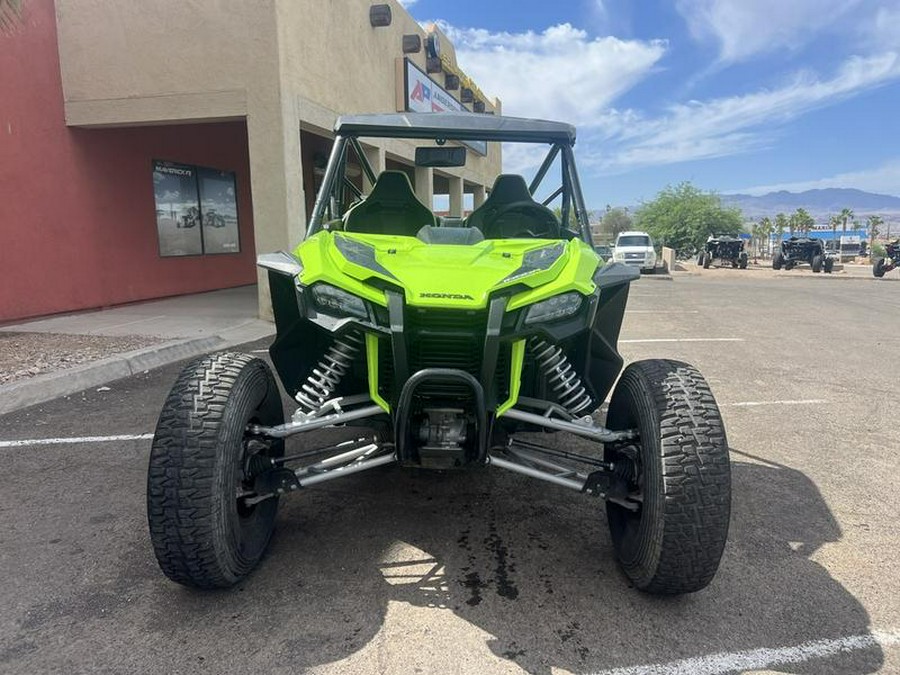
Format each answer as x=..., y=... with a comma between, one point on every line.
x=777, y=260
x=817, y=263
x=743, y=260
x=707, y=261
x=675, y=541
x=201, y=535
x=829, y=265
x=878, y=268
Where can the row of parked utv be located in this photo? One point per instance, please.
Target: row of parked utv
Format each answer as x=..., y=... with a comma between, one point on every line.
x=730, y=251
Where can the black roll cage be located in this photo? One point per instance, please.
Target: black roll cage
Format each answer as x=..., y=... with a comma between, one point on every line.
x=329, y=203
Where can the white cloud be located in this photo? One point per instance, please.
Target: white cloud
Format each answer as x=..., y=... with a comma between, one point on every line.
x=743, y=28
x=559, y=73
x=882, y=31
x=736, y=124
x=883, y=179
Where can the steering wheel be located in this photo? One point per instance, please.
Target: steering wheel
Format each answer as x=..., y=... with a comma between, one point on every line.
x=538, y=222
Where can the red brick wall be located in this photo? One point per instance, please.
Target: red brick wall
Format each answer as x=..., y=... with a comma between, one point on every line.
x=77, y=213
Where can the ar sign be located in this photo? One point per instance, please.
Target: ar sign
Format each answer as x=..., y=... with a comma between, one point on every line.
x=425, y=96
x=422, y=94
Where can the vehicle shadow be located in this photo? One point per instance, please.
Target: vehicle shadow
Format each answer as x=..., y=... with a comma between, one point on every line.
x=532, y=566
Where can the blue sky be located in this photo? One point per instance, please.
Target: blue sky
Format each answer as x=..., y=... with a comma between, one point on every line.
x=734, y=95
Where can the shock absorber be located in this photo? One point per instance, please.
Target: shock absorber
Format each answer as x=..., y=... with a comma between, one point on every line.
x=325, y=377
x=561, y=376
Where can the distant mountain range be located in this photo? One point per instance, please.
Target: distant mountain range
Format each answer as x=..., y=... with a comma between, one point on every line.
x=821, y=204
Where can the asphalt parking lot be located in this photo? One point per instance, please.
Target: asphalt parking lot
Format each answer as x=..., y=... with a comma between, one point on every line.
x=394, y=572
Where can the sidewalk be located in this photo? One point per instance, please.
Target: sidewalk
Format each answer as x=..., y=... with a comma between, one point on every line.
x=121, y=341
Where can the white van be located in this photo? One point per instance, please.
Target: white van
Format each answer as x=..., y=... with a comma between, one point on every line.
x=635, y=248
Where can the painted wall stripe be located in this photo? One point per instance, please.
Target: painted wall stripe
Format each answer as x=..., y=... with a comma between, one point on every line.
x=757, y=659
x=77, y=439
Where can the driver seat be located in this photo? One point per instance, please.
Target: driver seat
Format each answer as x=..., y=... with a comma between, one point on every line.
x=391, y=208
x=508, y=189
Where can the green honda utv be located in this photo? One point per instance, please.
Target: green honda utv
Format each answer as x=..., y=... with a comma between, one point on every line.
x=471, y=343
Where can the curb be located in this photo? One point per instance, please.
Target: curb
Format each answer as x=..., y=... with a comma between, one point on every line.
x=42, y=388
x=824, y=276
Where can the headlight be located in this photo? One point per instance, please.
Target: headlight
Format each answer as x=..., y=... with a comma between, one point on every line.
x=618, y=255
x=334, y=300
x=538, y=260
x=360, y=254
x=557, y=307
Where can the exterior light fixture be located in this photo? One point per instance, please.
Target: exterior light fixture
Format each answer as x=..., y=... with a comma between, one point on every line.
x=466, y=95
x=412, y=44
x=433, y=46
x=451, y=82
x=478, y=106
x=433, y=65
x=380, y=15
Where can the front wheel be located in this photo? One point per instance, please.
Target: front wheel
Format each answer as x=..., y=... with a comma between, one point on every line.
x=777, y=260
x=707, y=261
x=743, y=260
x=681, y=478
x=829, y=265
x=205, y=535
x=817, y=263
x=878, y=268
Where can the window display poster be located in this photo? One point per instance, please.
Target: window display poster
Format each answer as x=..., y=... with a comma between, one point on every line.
x=218, y=211
x=177, y=209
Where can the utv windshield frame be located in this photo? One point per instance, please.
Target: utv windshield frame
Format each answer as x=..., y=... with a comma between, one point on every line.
x=451, y=126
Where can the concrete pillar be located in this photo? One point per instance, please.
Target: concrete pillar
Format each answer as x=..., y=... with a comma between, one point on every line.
x=279, y=205
x=425, y=185
x=456, y=196
x=376, y=160
x=478, y=196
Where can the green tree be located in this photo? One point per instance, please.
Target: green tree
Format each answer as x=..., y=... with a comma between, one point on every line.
x=764, y=230
x=573, y=220
x=834, y=222
x=873, y=222
x=801, y=221
x=781, y=224
x=615, y=220
x=845, y=216
x=684, y=217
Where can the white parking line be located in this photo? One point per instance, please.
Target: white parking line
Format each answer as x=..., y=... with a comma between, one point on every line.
x=750, y=404
x=662, y=311
x=77, y=439
x=683, y=340
x=757, y=659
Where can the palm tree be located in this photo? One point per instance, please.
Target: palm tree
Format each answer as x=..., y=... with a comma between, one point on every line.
x=802, y=221
x=874, y=223
x=846, y=215
x=781, y=224
x=765, y=229
x=834, y=222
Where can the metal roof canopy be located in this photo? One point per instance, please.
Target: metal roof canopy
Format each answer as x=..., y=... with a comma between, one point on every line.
x=456, y=126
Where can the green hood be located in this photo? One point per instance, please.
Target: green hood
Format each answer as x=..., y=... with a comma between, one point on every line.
x=442, y=275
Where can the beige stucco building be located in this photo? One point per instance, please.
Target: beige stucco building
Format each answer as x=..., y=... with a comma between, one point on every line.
x=167, y=78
